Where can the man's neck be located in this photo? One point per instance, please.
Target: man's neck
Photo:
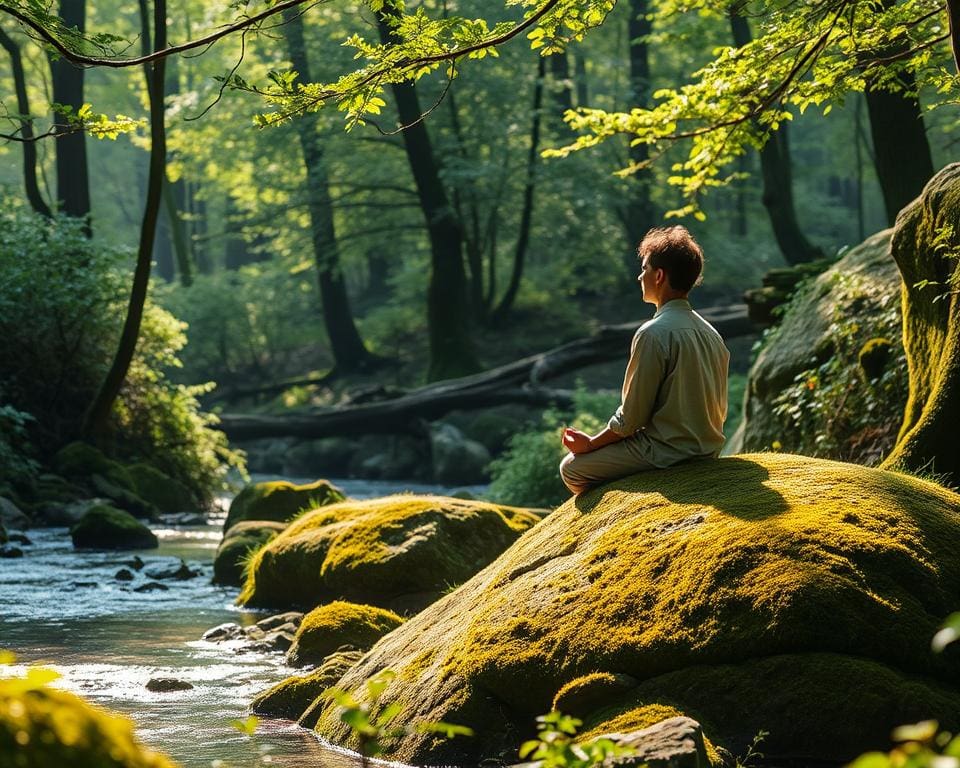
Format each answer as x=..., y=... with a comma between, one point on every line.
x=668, y=297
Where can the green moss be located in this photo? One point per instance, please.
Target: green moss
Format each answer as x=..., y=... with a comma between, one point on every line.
x=104, y=527
x=280, y=501
x=81, y=461
x=292, y=698
x=584, y=694
x=165, y=493
x=327, y=628
x=238, y=544
x=43, y=728
x=380, y=550
x=804, y=701
x=722, y=562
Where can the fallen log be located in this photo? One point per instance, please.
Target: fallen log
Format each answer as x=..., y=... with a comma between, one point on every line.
x=517, y=382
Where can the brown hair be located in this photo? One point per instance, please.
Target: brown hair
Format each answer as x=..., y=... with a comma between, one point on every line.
x=673, y=250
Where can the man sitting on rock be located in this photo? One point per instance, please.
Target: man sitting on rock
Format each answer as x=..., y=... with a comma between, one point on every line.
x=674, y=396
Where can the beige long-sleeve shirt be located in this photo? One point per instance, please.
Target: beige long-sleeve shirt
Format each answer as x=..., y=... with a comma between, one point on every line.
x=674, y=397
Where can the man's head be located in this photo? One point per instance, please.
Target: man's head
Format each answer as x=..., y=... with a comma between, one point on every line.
x=671, y=262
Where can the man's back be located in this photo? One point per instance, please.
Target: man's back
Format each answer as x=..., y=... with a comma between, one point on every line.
x=675, y=387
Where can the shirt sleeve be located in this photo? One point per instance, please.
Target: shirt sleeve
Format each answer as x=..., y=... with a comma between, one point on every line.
x=645, y=372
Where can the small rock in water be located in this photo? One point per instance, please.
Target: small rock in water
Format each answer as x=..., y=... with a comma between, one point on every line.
x=85, y=584
x=166, y=684
x=277, y=621
x=7, y=551
x=19, y=538
x=221, y=632
x=135, y=563
x=123, y=574
x=181, y=573
x=151, y=586
x=280, y=641
x=254, y=632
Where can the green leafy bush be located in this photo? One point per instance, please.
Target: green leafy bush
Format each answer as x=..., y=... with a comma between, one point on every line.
x=527, y=473
x=62, y=303
x=851, y=405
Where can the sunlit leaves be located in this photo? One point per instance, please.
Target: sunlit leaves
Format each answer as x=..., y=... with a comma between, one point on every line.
x=804, y=55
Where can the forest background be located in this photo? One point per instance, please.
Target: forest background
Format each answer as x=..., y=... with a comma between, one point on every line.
x=288, y=247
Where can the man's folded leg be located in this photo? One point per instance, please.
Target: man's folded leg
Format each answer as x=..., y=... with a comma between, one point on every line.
x=580, y=471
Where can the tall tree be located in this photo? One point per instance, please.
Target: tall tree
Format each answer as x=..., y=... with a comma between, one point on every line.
x=638, y=214
x=448, y=319
x=777, y=173
x=96, y=424
x=73, y=183
x=26, y=127
x=349, y=352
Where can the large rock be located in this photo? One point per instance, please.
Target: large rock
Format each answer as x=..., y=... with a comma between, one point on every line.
x=81, y=461
x=163, y=492
x=279, y=501
x=41, y=728
x=12, y=517
x=399, y=552
x=292, y=698
x=821, y=335
x=104, y=527
x=330, y=627
x=748, y=592
x=457, y=460
x=238, y=542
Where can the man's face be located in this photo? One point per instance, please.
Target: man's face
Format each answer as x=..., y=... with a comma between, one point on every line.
x=648, y=280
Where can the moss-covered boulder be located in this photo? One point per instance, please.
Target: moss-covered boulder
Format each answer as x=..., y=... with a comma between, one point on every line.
x=280, y=501
x=43, y=728
x=81, y=461
x=104, y=527
x=165, y=493
x=399, y=552
x=330, y=627
x=238, y=542
x=765, y=591
x=293, y=697
x=807, y=391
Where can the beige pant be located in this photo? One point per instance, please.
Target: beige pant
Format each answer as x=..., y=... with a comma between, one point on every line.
x=580, y=471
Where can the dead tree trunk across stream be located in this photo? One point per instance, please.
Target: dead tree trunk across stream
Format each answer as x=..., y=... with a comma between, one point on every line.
x=518, y=382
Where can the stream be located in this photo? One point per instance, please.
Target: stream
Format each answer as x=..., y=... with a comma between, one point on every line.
x=65, y=609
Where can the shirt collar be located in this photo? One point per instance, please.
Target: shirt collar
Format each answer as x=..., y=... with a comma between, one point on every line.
x=681, y=304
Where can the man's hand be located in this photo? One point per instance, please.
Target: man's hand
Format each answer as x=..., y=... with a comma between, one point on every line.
x=576, y=441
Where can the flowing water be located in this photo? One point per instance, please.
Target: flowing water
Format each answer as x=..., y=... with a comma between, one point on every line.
x=66, y=610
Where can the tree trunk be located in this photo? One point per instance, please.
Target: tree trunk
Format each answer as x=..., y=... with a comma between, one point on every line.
x=639, y=214
x=562, y=84
x=451, y=348
x=349, y=353
x=174, y=199
x=97, y=419
x=526, y=213
x=925, y=246
x=900, y=146
x=26, y=128
x=73, y=184
x=953, y=13
x=777, y=176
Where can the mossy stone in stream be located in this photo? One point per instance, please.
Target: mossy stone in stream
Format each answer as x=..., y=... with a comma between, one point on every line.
x=42, y=727
x=808, y=589
x=293, y=697
x=331, y=626
x=104, y=527
x=399, y=552
x=237, y=546
x=280, y=501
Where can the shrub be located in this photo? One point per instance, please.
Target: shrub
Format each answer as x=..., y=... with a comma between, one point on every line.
x=62, y=303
